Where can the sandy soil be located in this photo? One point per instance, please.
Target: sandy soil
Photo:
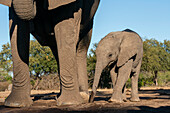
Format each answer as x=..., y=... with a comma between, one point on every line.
x=153, y=100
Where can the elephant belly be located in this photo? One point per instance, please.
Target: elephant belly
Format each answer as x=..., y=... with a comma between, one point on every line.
x=52, y=4
x=43, y=31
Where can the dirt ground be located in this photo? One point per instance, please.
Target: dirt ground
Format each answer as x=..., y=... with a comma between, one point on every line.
x=153, y=100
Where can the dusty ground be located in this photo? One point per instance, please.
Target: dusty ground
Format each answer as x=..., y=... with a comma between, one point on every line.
x=153, y=100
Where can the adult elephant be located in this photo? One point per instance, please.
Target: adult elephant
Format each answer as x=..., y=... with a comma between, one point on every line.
x=63, y=25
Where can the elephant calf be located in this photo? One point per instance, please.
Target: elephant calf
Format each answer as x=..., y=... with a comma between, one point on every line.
x=122, y=52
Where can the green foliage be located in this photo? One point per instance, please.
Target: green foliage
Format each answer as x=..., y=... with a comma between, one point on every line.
x=128, y=83
x=32, y=81
x=145, y=79
x=164, y=78
x=6, y=58
x=91, y=63
x=5, y=63
x=156, y=57
x=8, y=78
x=41, y=60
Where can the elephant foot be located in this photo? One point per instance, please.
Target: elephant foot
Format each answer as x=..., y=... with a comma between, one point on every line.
x=69, y=98
x=125, y=99
x=135, y=99
x=85, y=96
x=18, y=99
x=117, y=98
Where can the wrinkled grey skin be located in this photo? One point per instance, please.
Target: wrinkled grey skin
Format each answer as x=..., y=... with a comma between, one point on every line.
x=63, y=25
x=122, y=52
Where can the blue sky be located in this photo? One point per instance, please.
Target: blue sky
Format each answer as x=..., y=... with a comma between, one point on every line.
x=149, y=18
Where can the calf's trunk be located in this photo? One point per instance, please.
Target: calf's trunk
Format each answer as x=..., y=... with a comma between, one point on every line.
x=98, y=72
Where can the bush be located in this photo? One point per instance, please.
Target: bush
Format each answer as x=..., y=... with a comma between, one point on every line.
x=128, y=83
x=5, y=77
x=145, y=79
x=48, y=82
x=8, y=78
x=4, y=85
x=164, y=78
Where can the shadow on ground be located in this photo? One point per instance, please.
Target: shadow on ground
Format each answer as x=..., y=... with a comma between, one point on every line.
x=46, y=103
x=92, y=109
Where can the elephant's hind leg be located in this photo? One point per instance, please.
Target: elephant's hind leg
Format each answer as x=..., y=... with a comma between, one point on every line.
x=135, y=76
x=124, y=93
x=82, y=65
x=19, y=32
x=123, y=75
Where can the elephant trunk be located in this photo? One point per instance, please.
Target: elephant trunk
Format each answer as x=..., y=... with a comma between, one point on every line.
x=98, y=71
x=6, y=2
x=25, y=9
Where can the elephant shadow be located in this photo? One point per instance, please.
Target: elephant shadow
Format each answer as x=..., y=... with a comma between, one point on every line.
x=100, y=96
x=159, y=94
x=45, y=96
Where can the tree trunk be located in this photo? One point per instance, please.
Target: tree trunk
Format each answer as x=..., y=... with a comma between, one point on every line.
x=156, y=78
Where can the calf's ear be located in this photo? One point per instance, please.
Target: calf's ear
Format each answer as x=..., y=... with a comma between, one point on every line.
x=128, y=49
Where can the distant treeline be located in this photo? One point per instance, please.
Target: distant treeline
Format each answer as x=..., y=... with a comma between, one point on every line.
x=155, y=69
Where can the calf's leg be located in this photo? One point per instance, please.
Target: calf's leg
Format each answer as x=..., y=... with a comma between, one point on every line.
x=123, y=75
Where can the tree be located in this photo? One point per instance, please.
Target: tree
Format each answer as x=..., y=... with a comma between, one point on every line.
x=91, y=63
x=155, y=57
x=41, y=60
x=5, y=62
x=166, y=46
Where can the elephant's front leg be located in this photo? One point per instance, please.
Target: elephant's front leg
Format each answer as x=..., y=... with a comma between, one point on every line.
x=123, y=75
x=67, y=33
x=114, y=76
x=19, y=33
